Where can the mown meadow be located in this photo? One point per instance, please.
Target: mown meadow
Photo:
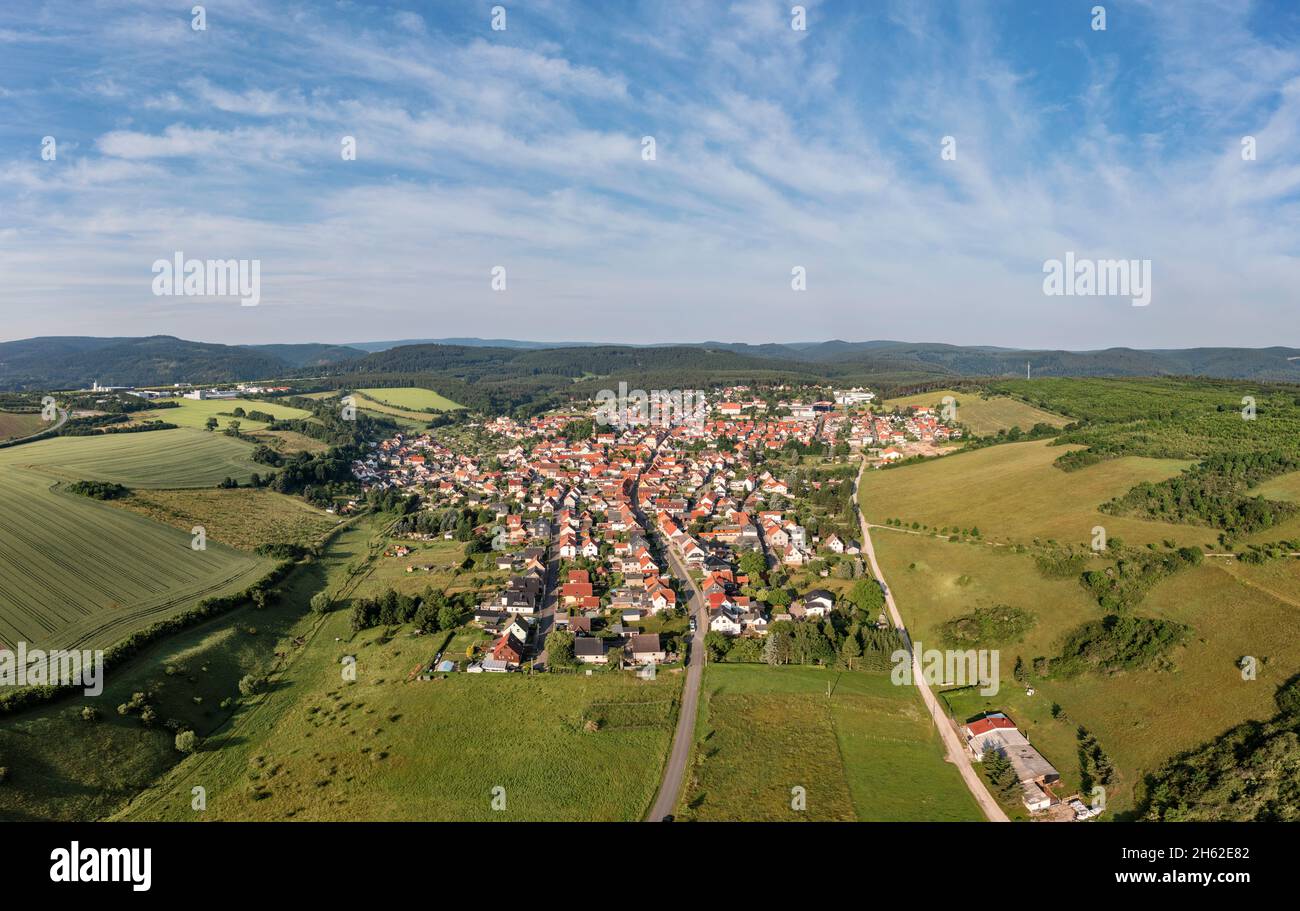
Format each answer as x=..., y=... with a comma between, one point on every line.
x=860, y=747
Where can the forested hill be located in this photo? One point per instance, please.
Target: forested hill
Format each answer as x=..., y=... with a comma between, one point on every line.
x=71, y=362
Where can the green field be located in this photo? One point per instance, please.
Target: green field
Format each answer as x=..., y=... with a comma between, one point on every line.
x=432, y=563
x=411, y=398
x=74, y=571
x=14, y=426
x=1286, y=487
x=195, y=413
x=983, y=416
x=1012, y=492
x=62, y=767
x=386, y=748
x=158, y=458
x=1141, y=717
x=868, y=751
x=242, y=518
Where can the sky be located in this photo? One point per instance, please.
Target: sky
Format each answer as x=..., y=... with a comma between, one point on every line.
x=920, y=161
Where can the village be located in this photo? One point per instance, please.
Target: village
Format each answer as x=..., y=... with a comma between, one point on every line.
x=606, y=536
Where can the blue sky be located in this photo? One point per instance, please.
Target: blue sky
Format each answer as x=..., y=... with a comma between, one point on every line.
x=775, y=148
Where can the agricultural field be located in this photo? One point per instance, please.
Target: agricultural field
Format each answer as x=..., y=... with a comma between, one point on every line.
x=15, y=426
x=63, y=767
x=866, y=751
x=159, y=458
x=385, y=747
x=1013, y=493
x=984, y=415
x=77, y=572
x=194, y=413
x=242, y=518
x=1140, y=717
x=411, y=398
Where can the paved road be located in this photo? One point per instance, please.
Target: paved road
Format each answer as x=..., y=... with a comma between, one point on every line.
x=545, y=620
x=670, y=788
x=956, y=752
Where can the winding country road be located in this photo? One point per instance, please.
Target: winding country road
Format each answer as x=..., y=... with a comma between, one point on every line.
x=956, y=752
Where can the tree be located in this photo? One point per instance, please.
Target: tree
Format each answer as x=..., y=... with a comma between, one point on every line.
x=211, y=424
x=250, y=685
x=187, y=742
x=850, y=649
x=449, y=616
x=615, y=656
x=753, y=564
x=716, y=645
x=320, y=602
x=559, y=648
x=867, y=596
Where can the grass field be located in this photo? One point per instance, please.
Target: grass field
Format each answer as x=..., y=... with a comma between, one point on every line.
x=383, y=747
x=64, y=768
x=867, y=752
x=15, y=426
x=433, y=563
x=159, y=458
x=984, y=416
x=1013, y=493
x=411, y=398
x=194, y=413
x=1286, y=487
x=1139, y=717
x=242, y=518
x=74, y=571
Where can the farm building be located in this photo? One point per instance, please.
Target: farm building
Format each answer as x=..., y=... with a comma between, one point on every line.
x=995, y=731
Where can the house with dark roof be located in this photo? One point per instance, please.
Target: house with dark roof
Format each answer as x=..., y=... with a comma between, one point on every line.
x=591, y=650
x=647, y=649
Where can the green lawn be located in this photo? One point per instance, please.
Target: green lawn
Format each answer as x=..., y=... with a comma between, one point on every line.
x=868, y=751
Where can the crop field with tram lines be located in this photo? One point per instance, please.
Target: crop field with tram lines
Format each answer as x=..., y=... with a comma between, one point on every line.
x=75, y=572
x=157, y=459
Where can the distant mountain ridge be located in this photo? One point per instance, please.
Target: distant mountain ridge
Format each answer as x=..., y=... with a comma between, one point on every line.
x=58, y=362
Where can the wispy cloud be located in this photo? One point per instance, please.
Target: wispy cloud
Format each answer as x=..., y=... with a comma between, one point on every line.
x=773, y=148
